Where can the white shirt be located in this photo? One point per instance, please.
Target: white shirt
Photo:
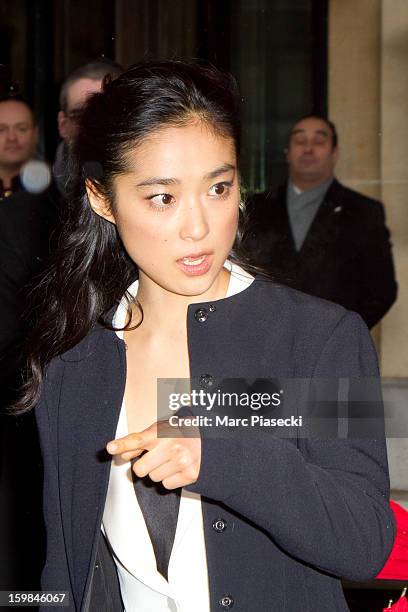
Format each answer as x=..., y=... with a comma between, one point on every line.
x=143, y=588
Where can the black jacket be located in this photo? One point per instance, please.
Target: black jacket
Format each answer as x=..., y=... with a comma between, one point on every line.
x=297, y=514
x=345, y=258
x=26, y=223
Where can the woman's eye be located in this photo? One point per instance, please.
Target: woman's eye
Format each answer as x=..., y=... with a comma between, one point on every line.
x=162, y=200
x=220, y=189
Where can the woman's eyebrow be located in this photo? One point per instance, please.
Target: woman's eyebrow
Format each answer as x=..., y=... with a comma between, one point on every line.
x=157, y=180
x=220, y=170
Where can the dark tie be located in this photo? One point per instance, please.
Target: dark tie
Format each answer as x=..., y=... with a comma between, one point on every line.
x=160, y=507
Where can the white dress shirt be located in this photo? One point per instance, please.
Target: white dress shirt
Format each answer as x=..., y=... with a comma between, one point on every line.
x=143, y=588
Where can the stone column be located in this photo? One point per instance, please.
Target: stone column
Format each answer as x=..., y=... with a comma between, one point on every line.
x=368, y=100
x=394, y=164
x=354, y=95
x=354, y=90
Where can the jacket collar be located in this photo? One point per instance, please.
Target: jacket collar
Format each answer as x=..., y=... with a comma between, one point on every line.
x=102, y=332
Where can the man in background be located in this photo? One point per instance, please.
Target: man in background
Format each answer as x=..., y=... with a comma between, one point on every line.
x=27, y=219
x=77, y=87
x=318, y=236
x=26, y=223
x=18, y=142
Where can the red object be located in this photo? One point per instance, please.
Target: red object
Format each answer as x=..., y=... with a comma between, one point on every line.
x=400, y=606
x=396, y=567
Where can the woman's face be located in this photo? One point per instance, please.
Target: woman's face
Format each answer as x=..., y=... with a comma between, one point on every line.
x=177, y=207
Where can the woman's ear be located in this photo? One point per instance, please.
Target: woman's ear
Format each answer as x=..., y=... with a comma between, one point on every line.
x=99, y=204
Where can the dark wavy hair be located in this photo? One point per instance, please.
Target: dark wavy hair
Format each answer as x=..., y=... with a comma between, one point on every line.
x=91, y=269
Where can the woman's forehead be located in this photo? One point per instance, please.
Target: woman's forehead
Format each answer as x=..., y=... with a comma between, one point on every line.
x=180, y=150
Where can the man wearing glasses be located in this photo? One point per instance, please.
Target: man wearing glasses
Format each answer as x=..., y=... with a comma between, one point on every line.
x=79, y=84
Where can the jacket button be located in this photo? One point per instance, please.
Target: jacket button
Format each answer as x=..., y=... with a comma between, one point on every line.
x=206, y=380
x=212, y=308
x=219, y=525
x=226, y=602
x=201, y=315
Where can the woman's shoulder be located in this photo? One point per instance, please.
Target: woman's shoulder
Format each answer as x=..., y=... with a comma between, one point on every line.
x=79, y=353
x=68, y=369
x=267, y=313
x=315, y=330
x=286, y=316
x=271, y=300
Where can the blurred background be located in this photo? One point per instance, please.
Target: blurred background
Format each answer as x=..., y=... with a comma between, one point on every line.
x=344, y=58
x=277, y=49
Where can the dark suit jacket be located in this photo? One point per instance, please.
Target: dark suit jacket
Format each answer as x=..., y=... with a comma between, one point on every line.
x=298, y=514
x=345, y=258
x=26, y=222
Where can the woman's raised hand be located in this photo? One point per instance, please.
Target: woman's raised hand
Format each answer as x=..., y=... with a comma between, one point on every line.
x=174, y=460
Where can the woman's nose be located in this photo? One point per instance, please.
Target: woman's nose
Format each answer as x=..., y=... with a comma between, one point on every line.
x=194, y=224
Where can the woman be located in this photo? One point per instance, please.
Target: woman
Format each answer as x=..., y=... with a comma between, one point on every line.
x=253, y=522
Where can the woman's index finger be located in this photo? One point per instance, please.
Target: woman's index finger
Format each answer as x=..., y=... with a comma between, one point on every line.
x=131, y=442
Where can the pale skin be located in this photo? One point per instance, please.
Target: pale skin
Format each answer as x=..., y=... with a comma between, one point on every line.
x=310, y=155
x=180, y=198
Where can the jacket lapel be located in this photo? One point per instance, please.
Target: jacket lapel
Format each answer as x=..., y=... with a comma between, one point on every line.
x=97, y=376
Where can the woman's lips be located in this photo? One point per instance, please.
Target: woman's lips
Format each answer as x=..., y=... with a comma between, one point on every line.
x=195, y=265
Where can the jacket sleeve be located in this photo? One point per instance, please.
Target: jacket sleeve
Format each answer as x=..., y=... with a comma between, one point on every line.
x=324, y=501
x=378, y=284
x=55, y=574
